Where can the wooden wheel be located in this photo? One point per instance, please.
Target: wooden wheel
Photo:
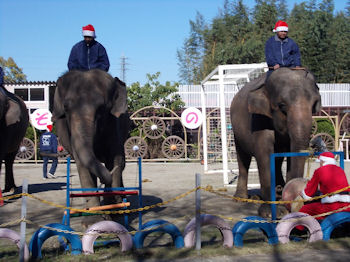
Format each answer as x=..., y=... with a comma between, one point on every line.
x=25, y=150
x=154, y=127
x=135, y=147
x=313, y=127
x=323, y=142
x=173, y=147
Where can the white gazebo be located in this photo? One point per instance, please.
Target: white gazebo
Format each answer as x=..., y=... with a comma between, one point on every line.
x=228, y=79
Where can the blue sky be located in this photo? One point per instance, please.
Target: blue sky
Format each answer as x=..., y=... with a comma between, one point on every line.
x=39, y=34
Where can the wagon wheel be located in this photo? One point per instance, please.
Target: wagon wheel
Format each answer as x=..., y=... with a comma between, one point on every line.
x=154, y=127
x=25, y=150
x=173, y=147
x=323, y=142
x=313, y=127
x=135, y=147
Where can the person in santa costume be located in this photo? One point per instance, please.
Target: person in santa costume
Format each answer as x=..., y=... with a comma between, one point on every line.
x=88, y=53
x=328, y=178
x=280, y=50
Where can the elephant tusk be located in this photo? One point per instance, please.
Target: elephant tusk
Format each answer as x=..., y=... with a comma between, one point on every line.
x=114, y=168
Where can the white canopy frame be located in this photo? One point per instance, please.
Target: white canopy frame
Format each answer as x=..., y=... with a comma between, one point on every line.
x=237, y=74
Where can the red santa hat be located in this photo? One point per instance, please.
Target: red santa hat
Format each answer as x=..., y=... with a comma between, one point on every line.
x=89, y=30
x=49, y=128
x=280, y=26
x=327, y=158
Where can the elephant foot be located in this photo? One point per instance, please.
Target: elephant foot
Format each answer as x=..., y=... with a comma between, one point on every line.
x=10, y=190
x=265, y=211
x=241, y=194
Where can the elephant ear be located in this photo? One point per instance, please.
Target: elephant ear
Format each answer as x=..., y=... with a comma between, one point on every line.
x=58, y=108
x=258, y=102
x=13, y=114
x=119, y=103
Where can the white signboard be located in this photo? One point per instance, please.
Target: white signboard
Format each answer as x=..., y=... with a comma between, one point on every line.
x=191, y=118
x=40, y=118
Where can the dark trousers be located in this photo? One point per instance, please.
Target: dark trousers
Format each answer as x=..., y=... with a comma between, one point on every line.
x=53, y=166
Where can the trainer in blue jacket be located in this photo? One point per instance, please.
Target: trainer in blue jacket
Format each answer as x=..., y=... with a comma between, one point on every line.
x=48, y=150
x=280, y=50
x=88, y=53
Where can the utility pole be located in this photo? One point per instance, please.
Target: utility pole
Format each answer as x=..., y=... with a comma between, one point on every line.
x=123, y=67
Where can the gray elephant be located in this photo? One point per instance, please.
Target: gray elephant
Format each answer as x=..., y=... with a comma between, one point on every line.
x=14, y=121
x=273, y=115
x=90, y=114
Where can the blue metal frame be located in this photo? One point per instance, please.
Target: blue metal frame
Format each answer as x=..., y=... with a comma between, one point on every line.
x=273, y=172
x=66, y=218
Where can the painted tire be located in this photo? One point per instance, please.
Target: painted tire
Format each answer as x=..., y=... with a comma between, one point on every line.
x=298, y=218
x=159, y=225
x=106, y=227
x=42, y=234
x=15, y=238
x=333, y=221
x=219, y=223
x=242, y=227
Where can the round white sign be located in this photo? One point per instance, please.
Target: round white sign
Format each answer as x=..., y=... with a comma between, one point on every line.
x=40, y=118
x=191, y=118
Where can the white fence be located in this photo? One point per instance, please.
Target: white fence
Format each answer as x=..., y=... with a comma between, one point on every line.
x=332, y=95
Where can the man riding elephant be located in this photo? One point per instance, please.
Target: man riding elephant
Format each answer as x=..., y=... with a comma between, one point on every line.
x=88, y=53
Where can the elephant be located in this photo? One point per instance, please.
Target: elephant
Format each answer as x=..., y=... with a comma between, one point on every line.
x=14, y=121
x=90, y=115
x=269, y=116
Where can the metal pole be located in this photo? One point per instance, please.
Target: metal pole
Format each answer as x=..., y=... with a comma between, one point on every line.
x=67, y=222
x=140, y=192
x=23, y=223
x=198, y=212
x=273, y=186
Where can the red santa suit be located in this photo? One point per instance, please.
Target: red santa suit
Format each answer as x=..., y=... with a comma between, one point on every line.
x=328, y=178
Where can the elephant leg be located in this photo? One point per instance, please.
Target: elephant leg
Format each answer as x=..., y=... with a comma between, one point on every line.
x=116, y=165
x=243, y=160
x=87, y=180
x=279, y=176
x=9, y=179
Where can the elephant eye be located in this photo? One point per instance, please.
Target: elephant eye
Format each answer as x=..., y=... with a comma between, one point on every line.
x=283, y=107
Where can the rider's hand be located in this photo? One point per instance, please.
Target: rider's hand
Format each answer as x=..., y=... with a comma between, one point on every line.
x=276, y=66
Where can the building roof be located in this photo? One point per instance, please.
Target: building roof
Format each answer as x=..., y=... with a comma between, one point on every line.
x=31, y=83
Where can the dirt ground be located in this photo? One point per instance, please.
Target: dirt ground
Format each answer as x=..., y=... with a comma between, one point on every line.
x=161, y=182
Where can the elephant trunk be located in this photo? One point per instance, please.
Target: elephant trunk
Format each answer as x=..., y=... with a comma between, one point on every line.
x=83, y=128
x=299, y=124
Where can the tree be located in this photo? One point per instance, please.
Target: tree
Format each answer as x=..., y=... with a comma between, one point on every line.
x=154, y=93
x=191, y=54
x=12, y=72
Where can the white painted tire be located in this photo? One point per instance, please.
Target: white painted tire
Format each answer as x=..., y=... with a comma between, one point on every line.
x=298, y=218
x=109, y=227
x=15, y=238
x=219, y=223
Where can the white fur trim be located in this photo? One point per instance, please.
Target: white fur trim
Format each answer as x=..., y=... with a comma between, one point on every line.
x=328, y=160
x=305, y=196
x=89, y=33
x=280, y=28
x=336, y=198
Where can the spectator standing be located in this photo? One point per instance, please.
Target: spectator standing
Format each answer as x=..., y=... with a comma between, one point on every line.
x=48, y=150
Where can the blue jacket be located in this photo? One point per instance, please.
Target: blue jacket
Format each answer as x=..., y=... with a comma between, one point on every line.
x=84, y=57
x=48, y=142
x=1, y=76
x=283, y=52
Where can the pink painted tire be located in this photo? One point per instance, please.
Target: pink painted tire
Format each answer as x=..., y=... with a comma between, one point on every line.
x=106, y=227
x=15, y=238
x=219, y=223
x=298, y=218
